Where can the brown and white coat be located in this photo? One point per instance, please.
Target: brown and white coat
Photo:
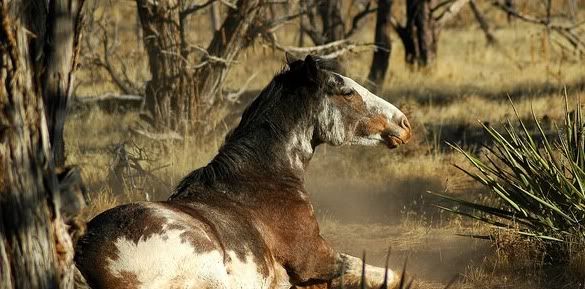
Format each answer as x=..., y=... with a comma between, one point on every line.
x=245, y=220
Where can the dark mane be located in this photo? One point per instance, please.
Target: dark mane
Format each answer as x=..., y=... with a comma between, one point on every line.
x=289, y=95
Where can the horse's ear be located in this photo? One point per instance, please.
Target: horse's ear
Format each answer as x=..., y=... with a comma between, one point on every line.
x=290, y=58
x=311, y=68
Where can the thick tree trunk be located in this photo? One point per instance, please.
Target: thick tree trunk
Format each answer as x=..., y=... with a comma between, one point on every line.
x=177, y=93
x=35, y=249
x=60, y=52
x=381, y=58
x=169, y=92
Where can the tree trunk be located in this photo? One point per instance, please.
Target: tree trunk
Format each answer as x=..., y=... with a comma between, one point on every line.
x=35, y=249
x=381, y=58
x=169, y=91
x=177, y=92
x=421, y=33
x=333, y=25
x=60, y=54
x=232, y=37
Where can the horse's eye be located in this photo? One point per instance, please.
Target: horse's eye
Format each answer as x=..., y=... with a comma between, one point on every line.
x=346, y=92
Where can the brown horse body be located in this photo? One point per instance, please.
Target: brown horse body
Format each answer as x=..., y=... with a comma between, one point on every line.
x=245, y=220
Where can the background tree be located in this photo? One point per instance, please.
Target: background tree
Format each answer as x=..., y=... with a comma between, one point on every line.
x=37, y=55
x=420, y=33
x=381, y=58
x=183, y=86
x=325, y=22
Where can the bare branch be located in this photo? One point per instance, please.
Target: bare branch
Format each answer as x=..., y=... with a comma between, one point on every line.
x=358, y=18
x=229, y=4
x=483, y=24
x=194, y=8
x=450, y=12
x=235, y=96
x=326, y=51
x=168, y=135
x=120, y=79
x=567, y=32
x=438, y=6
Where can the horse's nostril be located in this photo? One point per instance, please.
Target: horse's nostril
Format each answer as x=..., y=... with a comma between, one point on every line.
x=404, y=123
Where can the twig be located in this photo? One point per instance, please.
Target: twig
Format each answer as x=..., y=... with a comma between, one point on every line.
x=109, y=96
x=194, y=8
x=565, y=31
x=359, y=17
x=170, y=135
x=229, y=4
x=235, y=96
x=326, y=51
x=450, y=12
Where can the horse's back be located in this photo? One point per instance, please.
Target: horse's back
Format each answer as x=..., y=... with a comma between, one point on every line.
x=163, y=245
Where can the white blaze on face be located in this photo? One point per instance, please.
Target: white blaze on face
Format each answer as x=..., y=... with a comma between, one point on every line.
x=374, y=105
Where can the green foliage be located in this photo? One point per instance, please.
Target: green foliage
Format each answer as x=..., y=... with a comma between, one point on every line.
x=539, y=180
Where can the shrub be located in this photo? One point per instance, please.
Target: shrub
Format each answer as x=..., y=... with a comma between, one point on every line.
x=537, y=178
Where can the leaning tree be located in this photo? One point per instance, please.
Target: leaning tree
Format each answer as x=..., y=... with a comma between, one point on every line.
x=37, y=55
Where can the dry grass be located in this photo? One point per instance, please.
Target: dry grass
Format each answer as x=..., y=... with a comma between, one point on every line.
x=370, y=198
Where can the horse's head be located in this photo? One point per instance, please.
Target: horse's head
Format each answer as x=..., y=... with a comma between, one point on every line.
x=350, y=114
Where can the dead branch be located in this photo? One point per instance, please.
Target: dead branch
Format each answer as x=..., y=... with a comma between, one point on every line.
x=119, y=77
x=567, y=32
x=235, y=96
x=169, y=135
x=194, y=8
x=326, y=51
x=229, y=4
x=110, y=96
x=128, y=170
x=440, y=5
x=358, y=18
x=450, y=12
x=483, y=24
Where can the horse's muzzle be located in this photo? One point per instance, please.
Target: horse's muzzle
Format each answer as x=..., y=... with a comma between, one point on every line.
x=395, y=138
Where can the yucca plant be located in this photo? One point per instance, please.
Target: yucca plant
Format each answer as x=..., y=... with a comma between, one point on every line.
x=538, y=180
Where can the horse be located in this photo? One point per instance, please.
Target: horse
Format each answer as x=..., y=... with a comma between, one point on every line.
x=245, y=220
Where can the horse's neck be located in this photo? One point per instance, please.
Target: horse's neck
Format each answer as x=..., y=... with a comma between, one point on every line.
x=261, y=154
x=258, y=161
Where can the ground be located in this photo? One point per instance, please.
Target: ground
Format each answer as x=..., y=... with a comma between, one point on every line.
x=373, y=199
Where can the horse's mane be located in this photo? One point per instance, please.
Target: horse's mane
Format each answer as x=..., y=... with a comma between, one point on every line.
x=236, y=150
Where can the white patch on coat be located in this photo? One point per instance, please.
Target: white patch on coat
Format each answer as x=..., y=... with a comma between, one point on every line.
x=299, y=149
x=165, y=261
x=331, y=129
